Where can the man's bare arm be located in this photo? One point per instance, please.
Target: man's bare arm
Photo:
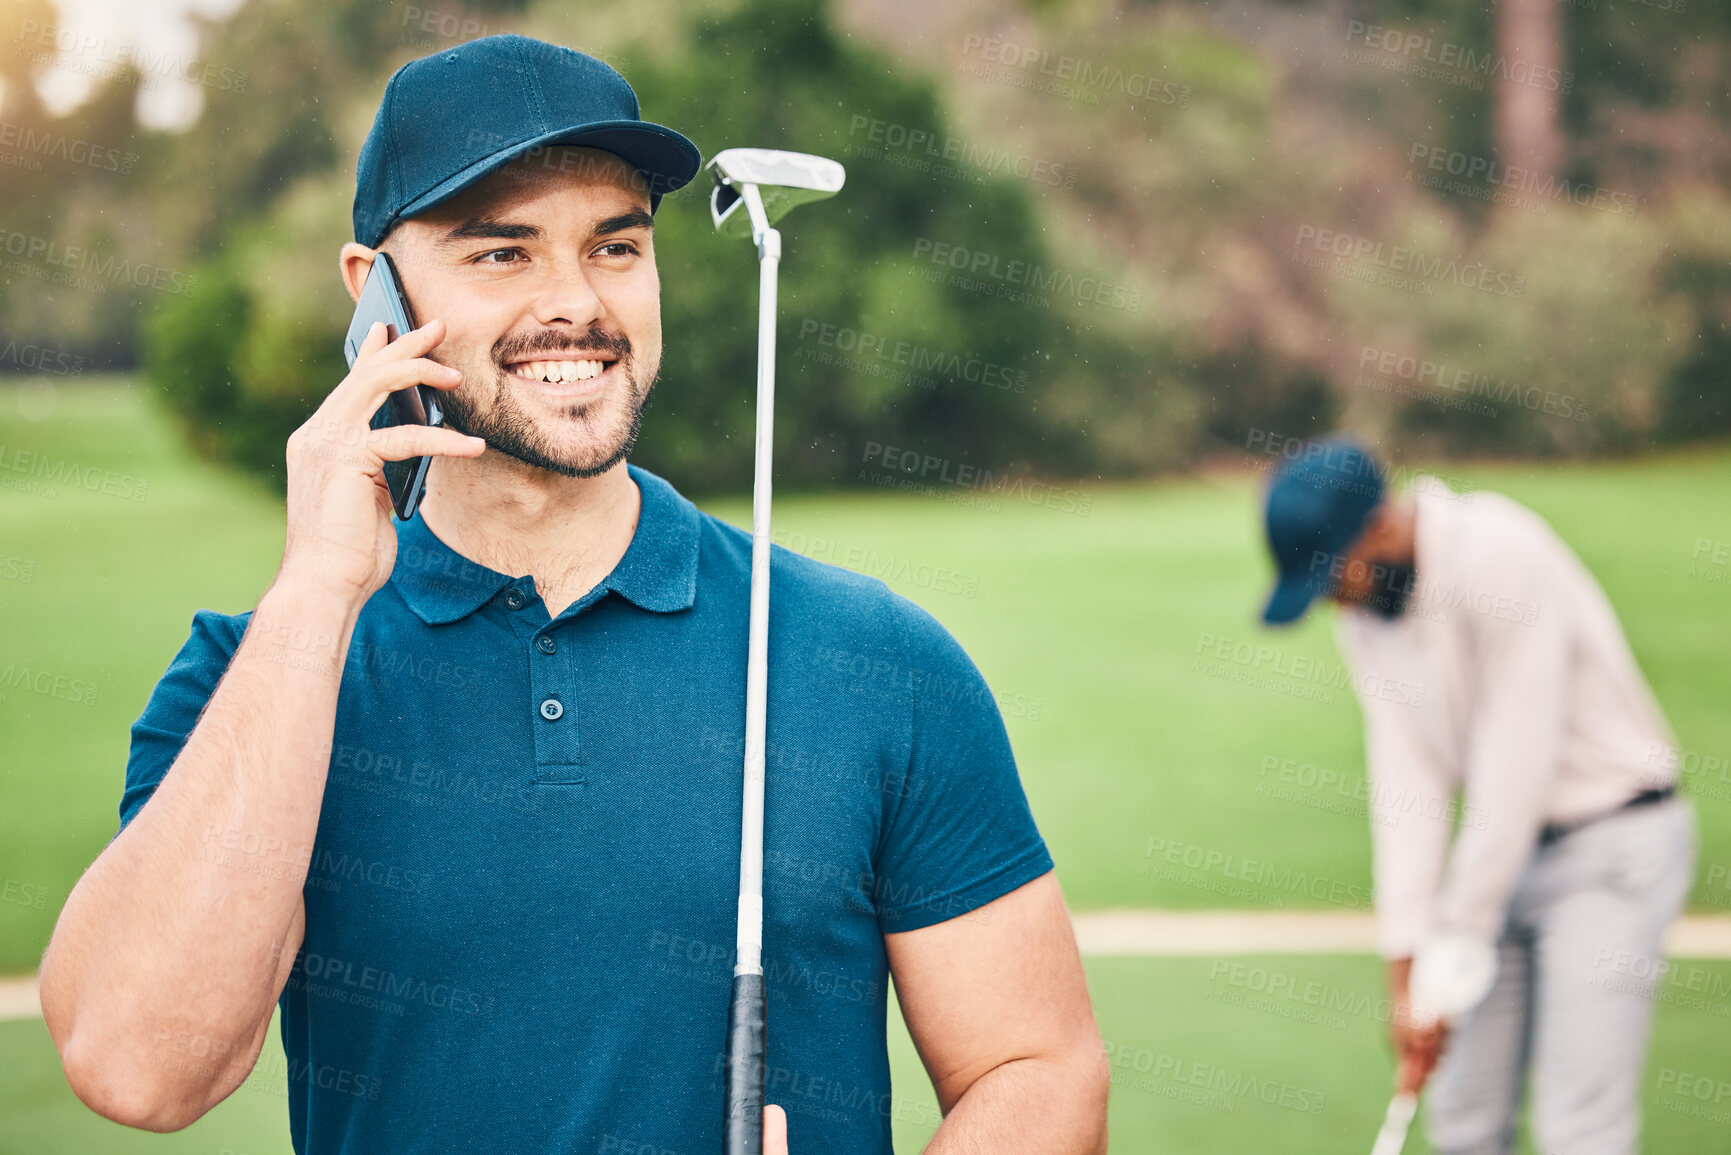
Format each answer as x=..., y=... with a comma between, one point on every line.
x=172, y=949
x=998, y=1008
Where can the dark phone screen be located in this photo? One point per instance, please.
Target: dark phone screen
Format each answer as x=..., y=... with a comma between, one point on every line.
x=382, y=299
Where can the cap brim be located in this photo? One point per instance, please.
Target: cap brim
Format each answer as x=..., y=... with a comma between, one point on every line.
x=1292, y=596
x=668, y=158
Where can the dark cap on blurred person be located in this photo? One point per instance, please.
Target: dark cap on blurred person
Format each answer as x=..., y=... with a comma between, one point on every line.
x=450, y=119
x=1318, y=504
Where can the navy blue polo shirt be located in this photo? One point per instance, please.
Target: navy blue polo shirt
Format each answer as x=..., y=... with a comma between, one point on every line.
x=521, y=898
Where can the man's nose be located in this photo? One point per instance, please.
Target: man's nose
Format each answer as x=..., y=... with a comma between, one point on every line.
x=563, y=294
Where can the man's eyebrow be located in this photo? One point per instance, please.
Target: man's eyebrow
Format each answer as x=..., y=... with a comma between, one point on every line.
x=633, y=219
x=476, y=228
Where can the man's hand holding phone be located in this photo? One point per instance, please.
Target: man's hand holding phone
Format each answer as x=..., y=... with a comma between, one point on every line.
x=340, y=538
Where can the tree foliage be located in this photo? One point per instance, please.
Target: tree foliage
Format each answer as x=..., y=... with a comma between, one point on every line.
x=1148, y=309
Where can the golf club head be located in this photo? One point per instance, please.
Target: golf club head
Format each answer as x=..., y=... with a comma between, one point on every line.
x=784, y=180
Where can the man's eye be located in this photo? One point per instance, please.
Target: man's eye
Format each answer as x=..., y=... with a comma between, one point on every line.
x=617, y=249
x=499, y=257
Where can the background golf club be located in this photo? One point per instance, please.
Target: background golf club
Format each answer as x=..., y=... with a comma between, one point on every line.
x=754, y=187
x=1395, y=1124
x=1449, y=978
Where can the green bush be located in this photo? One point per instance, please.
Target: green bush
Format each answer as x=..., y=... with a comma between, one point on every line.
x=247, y=360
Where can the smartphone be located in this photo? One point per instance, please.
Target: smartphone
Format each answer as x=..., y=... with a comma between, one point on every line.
x=382, y=299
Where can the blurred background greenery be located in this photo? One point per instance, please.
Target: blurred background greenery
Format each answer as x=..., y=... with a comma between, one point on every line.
x=1288, y=209
x=1246, y=179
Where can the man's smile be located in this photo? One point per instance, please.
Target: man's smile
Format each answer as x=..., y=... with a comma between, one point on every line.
x=563, y=377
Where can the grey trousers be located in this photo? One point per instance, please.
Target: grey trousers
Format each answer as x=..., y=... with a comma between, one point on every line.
x=1588, y=909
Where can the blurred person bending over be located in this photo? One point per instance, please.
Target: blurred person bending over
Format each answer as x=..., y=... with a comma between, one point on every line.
x=1502, y=705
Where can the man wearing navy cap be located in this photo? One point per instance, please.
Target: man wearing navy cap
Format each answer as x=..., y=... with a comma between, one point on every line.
x=461, y=795
x=1500, y=700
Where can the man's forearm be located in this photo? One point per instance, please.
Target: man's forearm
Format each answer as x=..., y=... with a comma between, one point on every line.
x=1399, y=974
x=1030, y=1107
x=172, y=948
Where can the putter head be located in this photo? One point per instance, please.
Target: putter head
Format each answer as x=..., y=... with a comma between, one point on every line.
x=784, y=180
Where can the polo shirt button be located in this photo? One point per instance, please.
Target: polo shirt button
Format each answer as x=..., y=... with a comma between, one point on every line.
x=546, y=644
x=514, y=599
x=552, y=710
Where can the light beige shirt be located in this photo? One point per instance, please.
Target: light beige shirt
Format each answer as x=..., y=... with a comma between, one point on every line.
x=1527, y=707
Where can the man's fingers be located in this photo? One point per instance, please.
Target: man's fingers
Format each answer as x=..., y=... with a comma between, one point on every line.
x=1410, y=1078
x=1426, y=1066
x=377, y=338
x=394, y=375
x=1420, y=1051
x=380, y=369
x=400, y=442
x=378, y=346
x=1428, y=1037
x=1416, y=1062
x=774, y=1130
x=352, y=403
x=414, y=343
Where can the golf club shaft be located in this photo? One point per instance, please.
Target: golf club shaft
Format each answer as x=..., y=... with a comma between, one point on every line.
x=746, y=1021
x=1395, y=1124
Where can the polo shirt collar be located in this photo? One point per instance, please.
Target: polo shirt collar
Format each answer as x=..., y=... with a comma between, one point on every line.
x=659, y=569
x=657, y=573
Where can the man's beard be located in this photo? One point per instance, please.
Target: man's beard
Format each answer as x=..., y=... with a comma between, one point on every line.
x=1391, y=585
x=505, y=427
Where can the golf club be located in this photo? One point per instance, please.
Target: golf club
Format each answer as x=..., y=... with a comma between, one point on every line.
x=1395, y=1124
x=767, y=183
x=1450, y=976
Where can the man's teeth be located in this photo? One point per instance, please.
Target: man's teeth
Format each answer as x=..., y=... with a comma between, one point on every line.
x=555, y=372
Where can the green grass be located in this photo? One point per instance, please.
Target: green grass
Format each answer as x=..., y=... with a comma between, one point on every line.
x=1088, y=627
x=1097, y=620
x=109, y=601
x=1157, y=1014
x=1101, y=618
x=39, y=1115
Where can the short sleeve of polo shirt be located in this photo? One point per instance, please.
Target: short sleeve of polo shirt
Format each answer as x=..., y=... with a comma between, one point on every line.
x=960, y=833
x=175, y=705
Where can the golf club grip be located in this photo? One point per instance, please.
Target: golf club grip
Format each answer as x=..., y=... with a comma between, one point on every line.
x=745, y=1043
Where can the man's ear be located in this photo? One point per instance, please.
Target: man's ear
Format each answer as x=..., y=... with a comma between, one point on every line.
x=354, y=262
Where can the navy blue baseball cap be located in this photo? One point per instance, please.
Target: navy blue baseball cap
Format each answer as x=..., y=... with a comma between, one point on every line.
x=450, y=119
x=1318, y=504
